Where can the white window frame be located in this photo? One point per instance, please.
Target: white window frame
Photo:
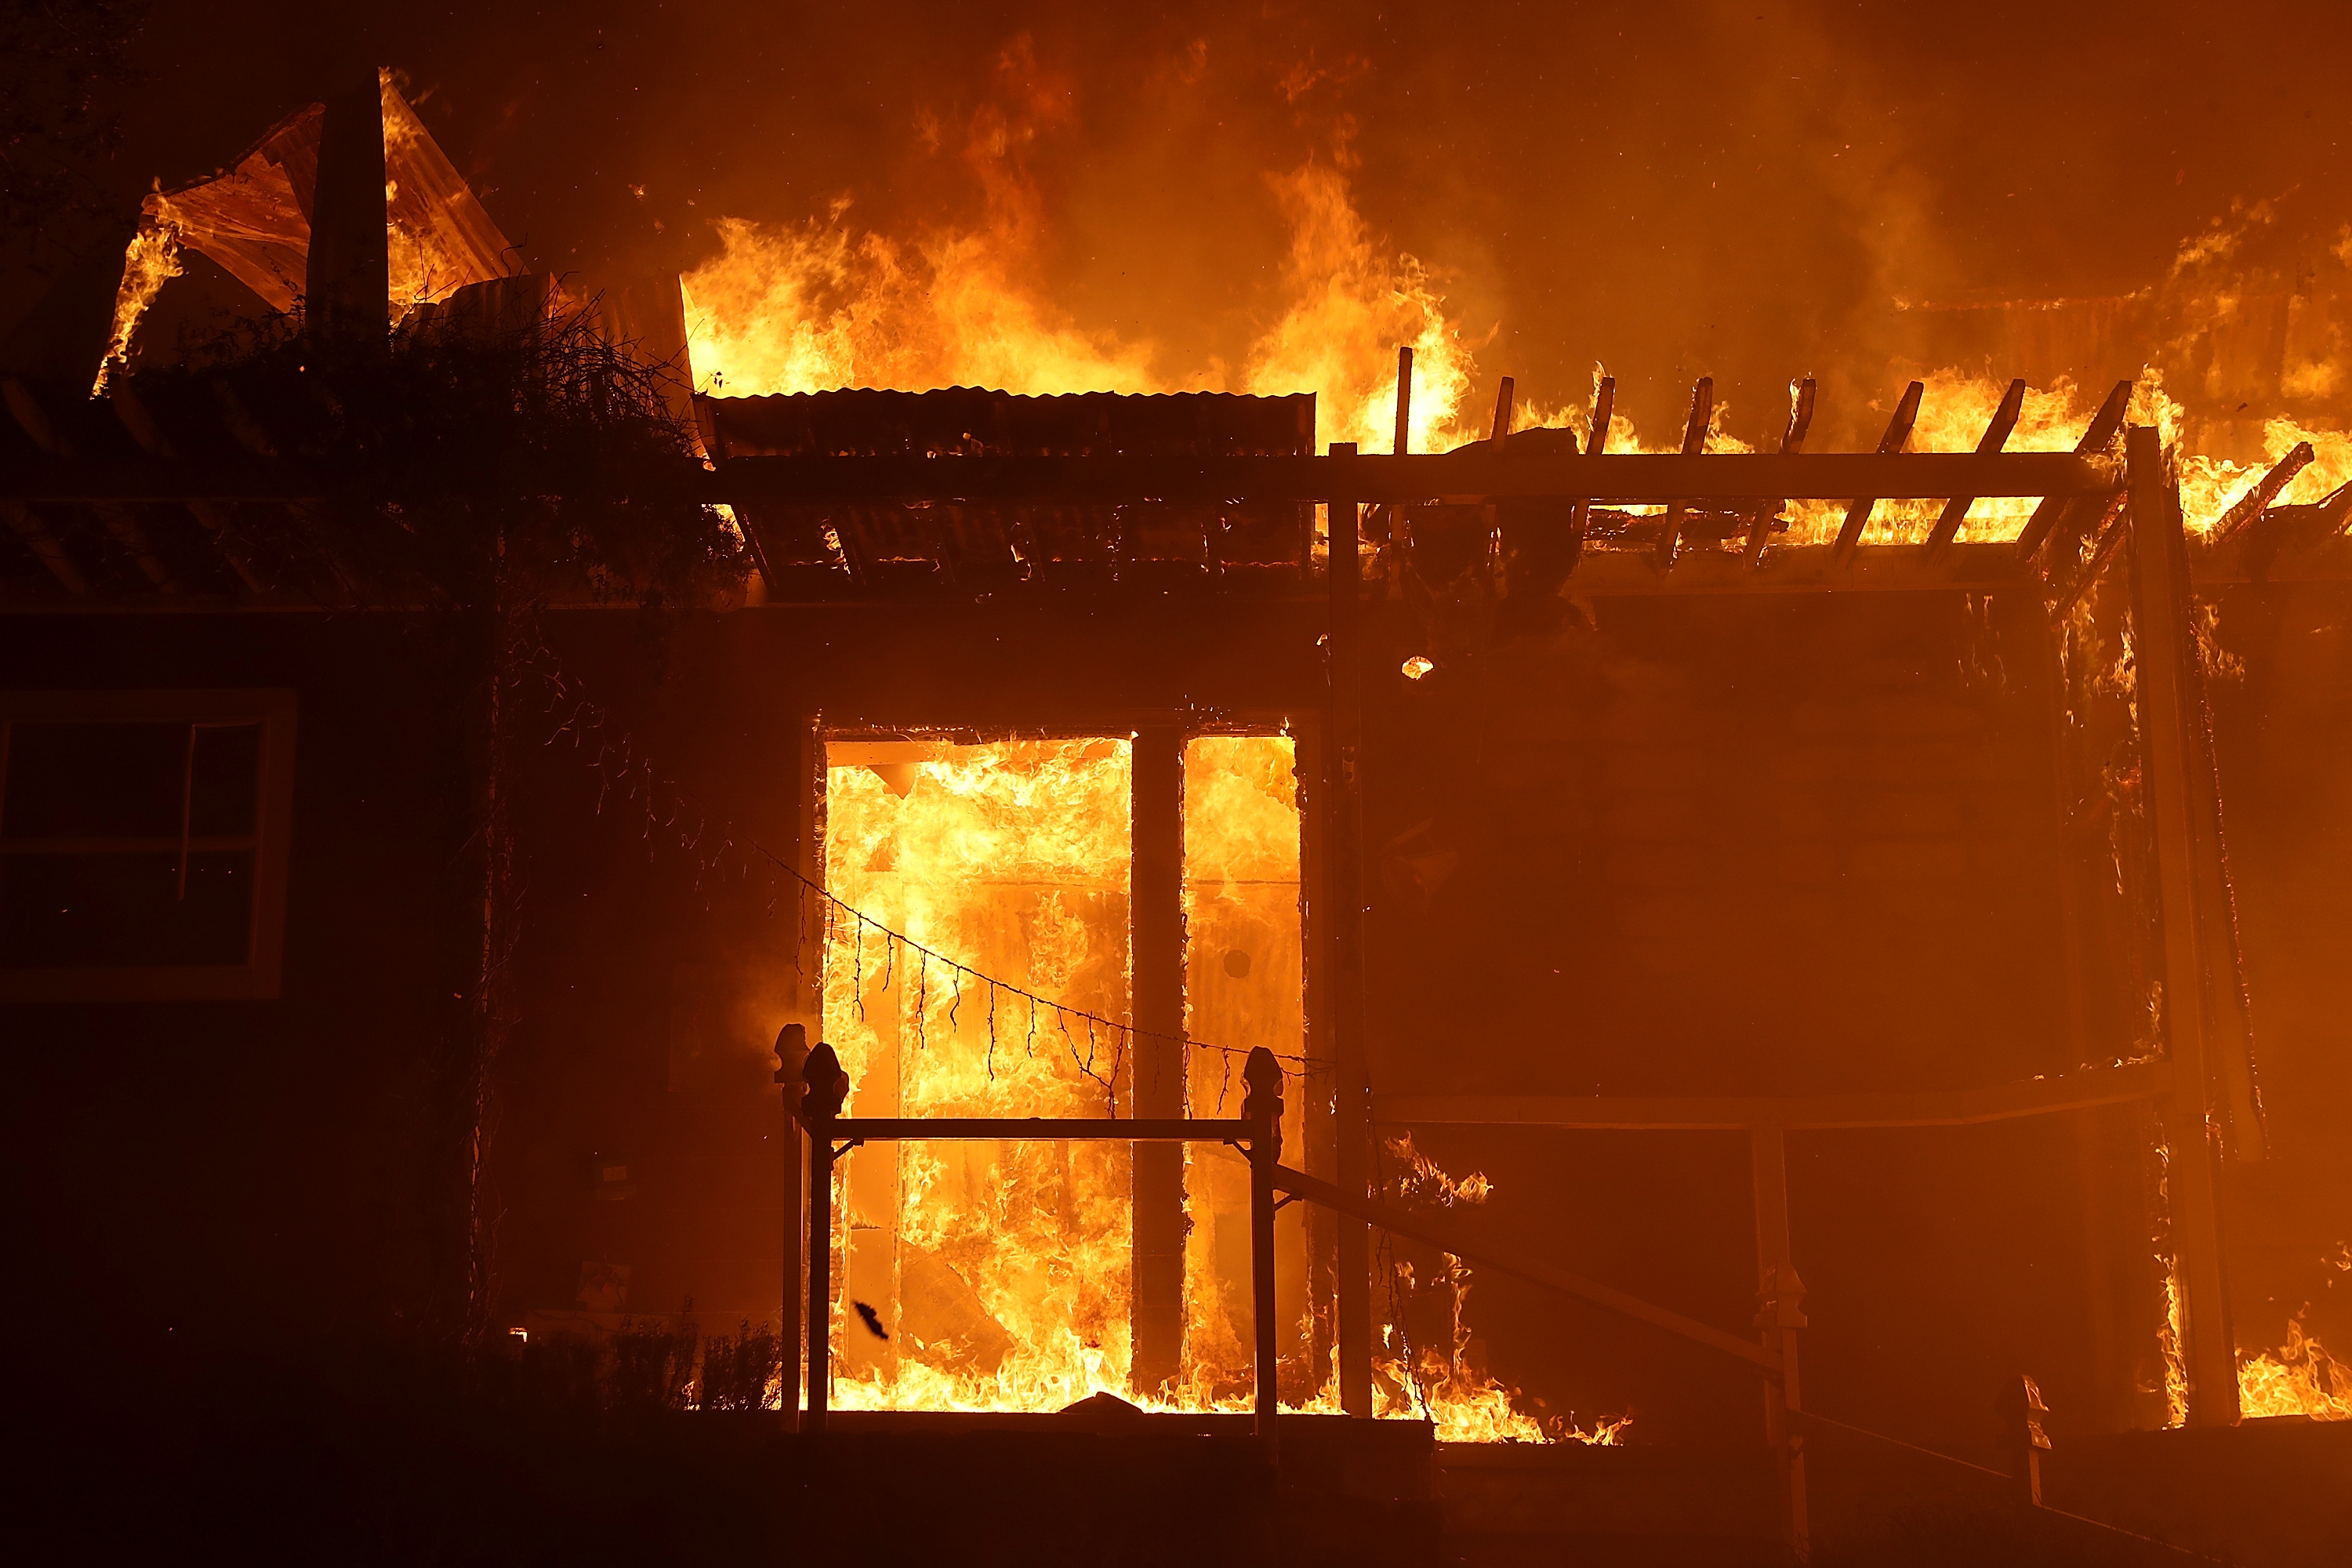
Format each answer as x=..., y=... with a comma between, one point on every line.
x=259, y=976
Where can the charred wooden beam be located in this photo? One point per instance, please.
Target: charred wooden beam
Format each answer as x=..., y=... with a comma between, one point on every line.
x=1898, y=435
x=1996, y=436
x=1632, y=479
x=1404, y=401
x=1961, y=1108
x=1792, y=441
x=1502, y=430
x=2163, y=646
x=2114, y=527
x=1695, y=429
x=1612, y=478
x=2289, y=530
x=2260, y=494
x=1596, y=441
x=2105, y=427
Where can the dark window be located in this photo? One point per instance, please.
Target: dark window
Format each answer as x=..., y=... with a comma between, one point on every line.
x=141, y=845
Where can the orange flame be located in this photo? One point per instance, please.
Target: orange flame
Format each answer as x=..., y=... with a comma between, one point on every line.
x=2300, y=1378
x=151, y=259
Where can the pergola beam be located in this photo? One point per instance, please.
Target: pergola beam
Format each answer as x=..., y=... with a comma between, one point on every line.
x=1636, y=479
x=1955, y=1108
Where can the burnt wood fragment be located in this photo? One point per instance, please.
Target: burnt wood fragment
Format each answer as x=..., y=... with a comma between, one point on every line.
x=1695, y=429
x=2105, y=427
x=1898, y=435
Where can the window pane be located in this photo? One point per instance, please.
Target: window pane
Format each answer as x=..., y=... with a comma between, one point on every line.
x=116, y=911
x=226, y=782
x=94, y=780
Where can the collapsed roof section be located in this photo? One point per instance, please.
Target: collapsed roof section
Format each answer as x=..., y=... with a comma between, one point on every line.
x=255, y=219
x=976, y=544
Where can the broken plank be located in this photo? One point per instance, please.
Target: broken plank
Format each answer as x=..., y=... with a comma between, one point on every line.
x=1695, y=429
x=2104, y=426
x=2260, y=494
x=1792, y=441
x=1596, y=441
x=1898, y=435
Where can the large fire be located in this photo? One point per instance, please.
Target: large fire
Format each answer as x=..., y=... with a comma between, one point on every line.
x=999, y=1273
x=998, y=1277
x=830, y=303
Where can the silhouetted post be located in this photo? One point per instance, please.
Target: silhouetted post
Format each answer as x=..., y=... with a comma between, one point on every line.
x=791, y=1055
x=2164, y=644
x=825, y=1091
x=1780, y=1297
x=1264, y=1109
x=2021, y=1411
x=1343, y=912
x=346, y=284
x=1155, y=897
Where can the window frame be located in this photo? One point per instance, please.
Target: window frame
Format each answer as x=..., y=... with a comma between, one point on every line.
x=259, y=976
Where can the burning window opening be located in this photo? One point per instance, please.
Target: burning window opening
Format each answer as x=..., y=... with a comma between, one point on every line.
x=1000, y=1277
x=1243, y=981
x=1003, y=1271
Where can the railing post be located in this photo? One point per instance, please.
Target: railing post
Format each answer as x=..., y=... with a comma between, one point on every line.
x=826, y=1088
x=1778, y=1298
x=1262, y=1109
x=2021, y=1411
x=791, y=1057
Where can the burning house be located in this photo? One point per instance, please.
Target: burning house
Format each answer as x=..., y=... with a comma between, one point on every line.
x=1358, y=962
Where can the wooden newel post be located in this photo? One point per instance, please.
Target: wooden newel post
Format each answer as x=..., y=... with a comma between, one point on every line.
x=1780, y=1314
x=2021, y=1411
x=1262, y=1109
x=791, y=1055
x=824, y=1089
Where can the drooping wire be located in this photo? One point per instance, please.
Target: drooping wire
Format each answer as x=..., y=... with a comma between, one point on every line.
x=617, y=760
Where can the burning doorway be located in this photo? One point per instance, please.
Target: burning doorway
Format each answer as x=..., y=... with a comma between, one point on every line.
x=990, y=955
